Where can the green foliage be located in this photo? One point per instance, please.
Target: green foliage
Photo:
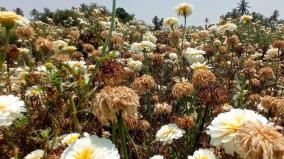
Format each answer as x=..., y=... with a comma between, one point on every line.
x=123, y=15
x=158, y=23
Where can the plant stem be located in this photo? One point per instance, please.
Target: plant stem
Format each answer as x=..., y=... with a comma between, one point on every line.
x=200, y=129
x=74, y=115
x=121, y=131
x=113, y=132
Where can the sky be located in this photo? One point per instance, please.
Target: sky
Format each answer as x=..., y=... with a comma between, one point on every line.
x=147, y=9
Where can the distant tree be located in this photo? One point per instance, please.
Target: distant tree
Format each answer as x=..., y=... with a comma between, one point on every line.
x=34, y=13
x=243, y=6
x=158, y=23
x=275, y=15
x=19, y=11
x=123, y=15
x=3, y=9
x=206, y=21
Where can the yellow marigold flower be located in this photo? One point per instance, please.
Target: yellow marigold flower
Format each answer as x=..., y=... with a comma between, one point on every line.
x=9, y=19
x=184, y=9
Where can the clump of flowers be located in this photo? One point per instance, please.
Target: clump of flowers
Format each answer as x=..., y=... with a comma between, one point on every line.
x=224, y=128
x=258, y=140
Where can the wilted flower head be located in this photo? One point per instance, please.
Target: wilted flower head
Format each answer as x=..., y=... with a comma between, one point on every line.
x=257, y=141
x=168, y=133
x=201, y=77
x=11, y=108
x=184, y=9
x=182, y=89
x=112, y=100
x=225, y=127
x=143, y=84
x=162, y=108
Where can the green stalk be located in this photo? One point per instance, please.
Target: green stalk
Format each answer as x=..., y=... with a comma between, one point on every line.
x=121, y=131
x=113, y=131
x=103, y=54
x=74, y=115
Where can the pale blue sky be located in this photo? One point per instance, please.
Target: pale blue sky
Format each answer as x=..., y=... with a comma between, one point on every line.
x=147, y=9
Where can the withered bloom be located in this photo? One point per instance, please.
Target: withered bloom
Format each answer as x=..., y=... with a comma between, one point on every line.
x=258, y=141
x=213, y=93
x=143, y=84
x=182, y=89
x=24, y=32
x=43, y=45
x=266, y=73
x=184, y=122
x=112, y=100
x=111, y=73
x=202, y=77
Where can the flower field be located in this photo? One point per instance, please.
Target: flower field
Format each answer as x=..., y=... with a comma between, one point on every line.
x=88, y=83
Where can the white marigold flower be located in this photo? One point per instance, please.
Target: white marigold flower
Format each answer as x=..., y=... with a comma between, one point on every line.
x=198, y=66
x=246, y=18
x=135, y=65
x=77, y=65
x=37, y=154
x=170, y=22
x=148, y=36
x=70, y=138
x=59, y=44
x=69, y=49
x=227, y=27
x=11, y=108
x=194, y=55
x=91, y=147
x=157, y=157
x=184, y=9
x=225, y=126
x=173, y=56
x=168, y=133
x=202, y=154
x=271, y=53
x=33, y=91
x=144, y=46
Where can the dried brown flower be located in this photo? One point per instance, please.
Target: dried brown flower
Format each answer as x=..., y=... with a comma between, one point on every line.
x=184, y=122
x=24, y=32
x=162, y=108
x=88, y=47
x=202, y=77
x=249, y=63
x=266, y=73
x=143, y=84
x=233, y=40
x=212, y=93
x=278, y=44
x=182, y=89
x=43, y=45
x=258, y=141
x=111, y=73
x=112, y=100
